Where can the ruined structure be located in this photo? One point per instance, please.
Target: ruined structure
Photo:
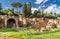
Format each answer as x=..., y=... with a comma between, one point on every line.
x=12, y=21
x=20, y=21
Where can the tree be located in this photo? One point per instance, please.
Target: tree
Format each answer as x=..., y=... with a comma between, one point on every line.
x=16, y=5
x=50, y=15
x=8, y=12
x=37, y=13
x=1, y=9
x=26, y=10
x=0, y=6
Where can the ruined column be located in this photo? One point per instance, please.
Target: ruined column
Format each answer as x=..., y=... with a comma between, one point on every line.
x=17, y=27
x=17, y=24
x=24, y=22
x=20, y=21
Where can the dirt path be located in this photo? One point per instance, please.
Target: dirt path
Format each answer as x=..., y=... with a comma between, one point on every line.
x=11, y=38
x=1, y=35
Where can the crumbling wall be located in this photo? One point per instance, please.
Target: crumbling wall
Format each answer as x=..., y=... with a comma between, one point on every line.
x=50, y=23
x=22, y=21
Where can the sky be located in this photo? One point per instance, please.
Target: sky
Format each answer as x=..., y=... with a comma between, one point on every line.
x=43, y=5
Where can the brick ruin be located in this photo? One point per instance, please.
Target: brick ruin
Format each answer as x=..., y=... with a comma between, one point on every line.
x=12, y=21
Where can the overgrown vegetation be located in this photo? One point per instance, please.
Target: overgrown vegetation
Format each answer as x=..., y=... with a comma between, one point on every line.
x=32, y=35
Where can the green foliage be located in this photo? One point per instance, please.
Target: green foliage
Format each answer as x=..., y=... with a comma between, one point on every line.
x=8, y=30
x=16, y=5
x=31, y=16
x=1, y=9
x=8, y=12
x=0, y=6
x=50, y=15
x=38, y=14
x=26, y=10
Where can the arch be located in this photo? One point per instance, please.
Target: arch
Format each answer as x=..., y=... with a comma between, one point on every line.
x=2, y=22
x=11, y=23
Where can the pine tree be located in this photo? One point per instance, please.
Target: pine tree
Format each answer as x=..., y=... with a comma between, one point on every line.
x=26, y=10
x=16, y=5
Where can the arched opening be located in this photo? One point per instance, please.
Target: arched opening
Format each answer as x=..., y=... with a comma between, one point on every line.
x=11, y=23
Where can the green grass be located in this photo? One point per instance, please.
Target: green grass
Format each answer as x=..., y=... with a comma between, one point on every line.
x=8, y=30
x=39, y=35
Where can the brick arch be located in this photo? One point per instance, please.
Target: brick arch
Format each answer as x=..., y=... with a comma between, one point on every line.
x=10, y=17
x=2, y=20
x=11, y=22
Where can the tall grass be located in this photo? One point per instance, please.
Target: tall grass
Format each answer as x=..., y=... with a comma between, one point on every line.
x=27, y=33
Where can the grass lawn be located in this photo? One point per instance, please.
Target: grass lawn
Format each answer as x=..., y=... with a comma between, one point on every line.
x=41, y=35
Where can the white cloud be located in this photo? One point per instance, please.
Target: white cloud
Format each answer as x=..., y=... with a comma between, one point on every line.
x=45, y=1
x=53, y=8
x=40, y=1
x=50, y=8
x=59, y=7
x=33, y=9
